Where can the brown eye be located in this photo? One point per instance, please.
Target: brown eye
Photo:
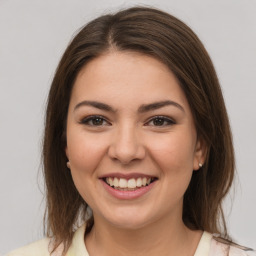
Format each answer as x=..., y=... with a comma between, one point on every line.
x=95, y=121
x=160, y=121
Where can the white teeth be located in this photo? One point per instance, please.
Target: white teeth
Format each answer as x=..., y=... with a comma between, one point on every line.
x=123, y=183
x=130, y=184
x=139, y=182
x=116, y=182
x=110, y=181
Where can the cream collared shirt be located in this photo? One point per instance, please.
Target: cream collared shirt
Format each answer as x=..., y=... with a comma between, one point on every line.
x=207, y=246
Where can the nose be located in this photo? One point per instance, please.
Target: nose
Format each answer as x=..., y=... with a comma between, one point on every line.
x=126, y=145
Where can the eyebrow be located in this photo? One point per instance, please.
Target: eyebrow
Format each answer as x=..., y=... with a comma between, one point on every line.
x=95, y=104
x=142, y=109
x=156, y=105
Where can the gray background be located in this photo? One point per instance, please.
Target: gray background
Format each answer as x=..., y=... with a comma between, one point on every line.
x=34, y=34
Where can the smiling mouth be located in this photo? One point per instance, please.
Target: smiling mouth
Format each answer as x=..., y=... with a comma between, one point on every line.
x=130, y=184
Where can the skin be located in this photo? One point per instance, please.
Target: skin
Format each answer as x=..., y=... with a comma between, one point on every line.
x=130, y=141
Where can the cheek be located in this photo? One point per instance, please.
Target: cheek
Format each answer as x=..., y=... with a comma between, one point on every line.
x=174, y=152
x=85, y=152
x=173, y=156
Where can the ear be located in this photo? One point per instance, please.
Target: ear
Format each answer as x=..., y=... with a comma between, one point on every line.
x=67, y=154
x=199, y=154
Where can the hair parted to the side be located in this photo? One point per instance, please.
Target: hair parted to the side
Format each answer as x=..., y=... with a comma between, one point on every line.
x=160, y=35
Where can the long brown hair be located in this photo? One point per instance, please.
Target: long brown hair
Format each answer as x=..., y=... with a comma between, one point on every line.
x=162, y=36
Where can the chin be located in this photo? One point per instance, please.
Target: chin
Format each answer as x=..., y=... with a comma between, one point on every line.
x=129, y=224
x=128, y=219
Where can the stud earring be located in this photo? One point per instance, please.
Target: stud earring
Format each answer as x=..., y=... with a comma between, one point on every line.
x=200, y=165
x=68, y=165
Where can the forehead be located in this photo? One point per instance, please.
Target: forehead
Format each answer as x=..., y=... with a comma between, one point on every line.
x=127, y=78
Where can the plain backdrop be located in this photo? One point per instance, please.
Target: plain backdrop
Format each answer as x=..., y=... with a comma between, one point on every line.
x=33, y=36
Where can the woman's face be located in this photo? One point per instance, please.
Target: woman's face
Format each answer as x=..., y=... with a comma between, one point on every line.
x=131, y=140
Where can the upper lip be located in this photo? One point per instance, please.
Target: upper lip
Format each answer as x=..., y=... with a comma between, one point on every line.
x=126, y=175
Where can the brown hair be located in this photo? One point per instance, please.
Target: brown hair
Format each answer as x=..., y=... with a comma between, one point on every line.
x=162, y=36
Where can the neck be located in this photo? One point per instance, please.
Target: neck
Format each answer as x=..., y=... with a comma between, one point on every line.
x=168, y=237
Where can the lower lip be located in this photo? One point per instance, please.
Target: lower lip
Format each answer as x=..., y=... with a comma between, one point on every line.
x=128, y=195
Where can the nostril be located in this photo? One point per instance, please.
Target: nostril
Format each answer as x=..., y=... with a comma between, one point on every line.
x=126, y=145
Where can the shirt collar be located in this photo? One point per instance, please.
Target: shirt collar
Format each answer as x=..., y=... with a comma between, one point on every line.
x=77, y=247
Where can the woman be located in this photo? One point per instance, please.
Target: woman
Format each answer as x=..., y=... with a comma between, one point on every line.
x=138, y=152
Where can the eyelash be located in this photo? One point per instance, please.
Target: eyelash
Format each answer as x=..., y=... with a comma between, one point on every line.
x=166, y=120
x=90, y=119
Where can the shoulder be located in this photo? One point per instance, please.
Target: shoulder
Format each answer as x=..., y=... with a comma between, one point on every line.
x=236, y=250
x=219, y=248
x=45, y=246
x=39, y=248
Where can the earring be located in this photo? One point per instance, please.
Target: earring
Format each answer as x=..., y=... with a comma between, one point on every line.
x=200, y=165
x=68, y=165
